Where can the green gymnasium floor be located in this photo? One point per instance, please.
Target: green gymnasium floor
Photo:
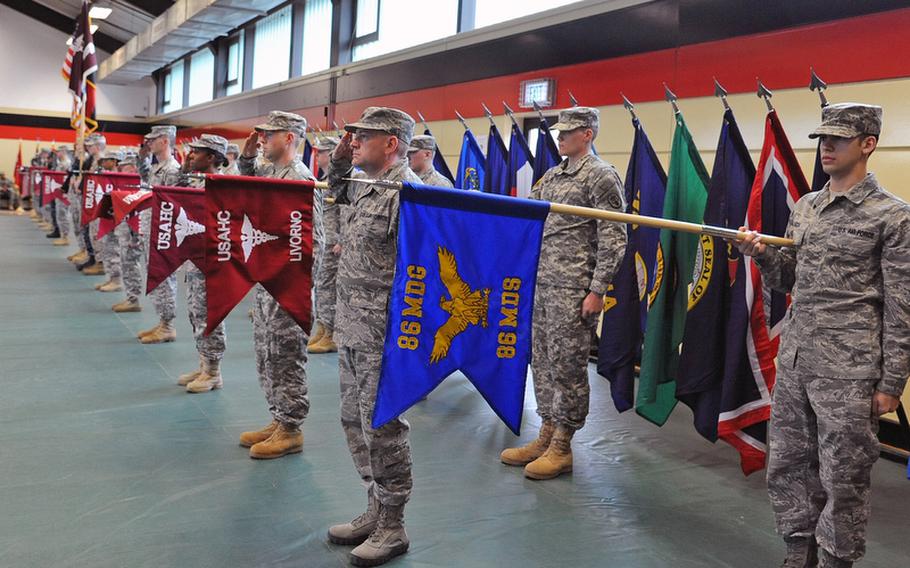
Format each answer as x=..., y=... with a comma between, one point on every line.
x=105, y=462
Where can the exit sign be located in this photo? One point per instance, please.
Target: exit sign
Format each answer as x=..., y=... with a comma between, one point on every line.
x=540, y=91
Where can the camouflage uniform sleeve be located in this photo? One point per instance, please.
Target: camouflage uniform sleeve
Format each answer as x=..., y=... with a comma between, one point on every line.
x=340, y=189
x=607, y=193
x=145, y=168
x=172, y=175
x=778, y=265
x=247, y=166
x=895, y=266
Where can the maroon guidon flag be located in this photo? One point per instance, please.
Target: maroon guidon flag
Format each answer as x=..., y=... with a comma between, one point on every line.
x=96, y=186
x=177, y=231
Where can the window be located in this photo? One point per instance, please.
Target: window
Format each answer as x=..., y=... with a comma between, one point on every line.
x=489, y=12
x=397, y=29
x=366, y=23
x=233, y=82
x=272, y=48
x=202, y=76
x=317, y=36
x=172, y=88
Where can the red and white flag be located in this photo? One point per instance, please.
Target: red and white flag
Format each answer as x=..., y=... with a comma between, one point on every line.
x=177, y=231
x=756, y=310
x=96, y=186
x=78, y=66
x=258, y=230
x=52, y=186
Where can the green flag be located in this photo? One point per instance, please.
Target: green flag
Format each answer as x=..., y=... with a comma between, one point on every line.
x=687, y=192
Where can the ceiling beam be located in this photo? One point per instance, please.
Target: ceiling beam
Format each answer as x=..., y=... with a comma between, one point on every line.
x=62, y=22
x=153, y=7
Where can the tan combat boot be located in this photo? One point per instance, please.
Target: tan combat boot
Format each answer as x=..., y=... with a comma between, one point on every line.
x=210, y=378
x=556, y=460
x=536, y=448
x=386, y=542
x=283, y=441
x=317, y=335
x=75, y=255
x=112, y=285
x=61, y=242
x=358, y=530
x=143, y=333
x=99, y=285
x=165, y=333
x=187, y=378
x=126, y=306
x=324, y=345
x=250, y=439
x=96, y=269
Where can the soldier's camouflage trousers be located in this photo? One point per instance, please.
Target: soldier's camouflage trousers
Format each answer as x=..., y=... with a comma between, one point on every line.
x=281, y=358
x=326, y=289
x=382, y=456
x=822, y=444
x=63, y=219
x=210, y=347
x=130, y=249
x=560, y=349
x=76, y=212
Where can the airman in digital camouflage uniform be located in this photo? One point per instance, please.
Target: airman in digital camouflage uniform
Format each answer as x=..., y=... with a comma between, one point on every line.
x=420, y=158
x=578, y=258
x=323, y=338
x=845, y=349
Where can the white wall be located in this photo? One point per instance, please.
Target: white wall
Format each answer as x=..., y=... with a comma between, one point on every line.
x=33, y=55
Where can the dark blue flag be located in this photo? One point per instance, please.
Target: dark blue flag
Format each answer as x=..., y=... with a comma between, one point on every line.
x=521, y=165
x=439, y=162
x=626, y=302
x=700, y=375
x=819, y=177
x=470, y=164
x=307, y=154
x=546, y=155
x=459, y=304
x=496, y=170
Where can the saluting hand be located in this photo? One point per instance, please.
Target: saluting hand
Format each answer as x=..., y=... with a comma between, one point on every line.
x=251, y=145
x=343, y=150
x=751, y=245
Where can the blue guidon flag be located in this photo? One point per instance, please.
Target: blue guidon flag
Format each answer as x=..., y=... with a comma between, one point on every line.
x=458, y=304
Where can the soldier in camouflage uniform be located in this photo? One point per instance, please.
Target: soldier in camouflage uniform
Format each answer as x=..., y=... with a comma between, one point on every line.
x=377, y=145
x=420, y=158
x=97, y=147
x=107, y=247
x=64, y=163
x=86, y=255
x=230, y=168
x=280, y=343
x=578, y=258
x=129, y=244
x=323, y=338
x=206, y=157
x=160, y=142
x=845, y=349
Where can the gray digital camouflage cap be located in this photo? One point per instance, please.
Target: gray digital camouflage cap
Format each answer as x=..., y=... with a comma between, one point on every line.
x=130, y=159
x=111, y=155
x=93, y=139
x=577, y=117
x=160, y=130
x=283, y=121
x=848, y=120
x=326, y=144
x=384, y=119
x=233, y=149
x=211, y=142
x=422, y=142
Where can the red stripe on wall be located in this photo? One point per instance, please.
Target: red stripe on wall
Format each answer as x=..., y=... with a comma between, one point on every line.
x=63, y=135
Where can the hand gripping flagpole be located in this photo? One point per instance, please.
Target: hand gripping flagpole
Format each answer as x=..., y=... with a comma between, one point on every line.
x=816, y=84
x=628, y=218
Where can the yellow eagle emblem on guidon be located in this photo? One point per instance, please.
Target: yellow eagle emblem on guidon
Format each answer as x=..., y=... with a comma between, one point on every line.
x=467, y=307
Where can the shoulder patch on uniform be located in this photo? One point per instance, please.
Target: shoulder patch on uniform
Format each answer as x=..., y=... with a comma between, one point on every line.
x=614, y=200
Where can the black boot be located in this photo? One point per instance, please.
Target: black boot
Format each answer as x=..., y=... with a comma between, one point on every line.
x=55, y=234
x=86, y=264
x=802, y=552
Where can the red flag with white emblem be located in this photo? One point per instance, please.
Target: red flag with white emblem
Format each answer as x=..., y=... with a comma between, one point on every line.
x=52, y=186
x=96, y=186
x=177, y=231
x=258, y=230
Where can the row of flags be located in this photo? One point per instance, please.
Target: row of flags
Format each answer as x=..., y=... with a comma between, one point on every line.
x=690, y=308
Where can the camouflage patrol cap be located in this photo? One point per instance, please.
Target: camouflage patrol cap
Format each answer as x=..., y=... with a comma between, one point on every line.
x=93, y=139
x=212, y=142
x=111, y=155
x=577, y=117
x=283, y=121
x=130, y=159
x=326, y=144
x=849, y=120
x=160, y=130
x=384, y=119
x=233, y=149
x=422, y=142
